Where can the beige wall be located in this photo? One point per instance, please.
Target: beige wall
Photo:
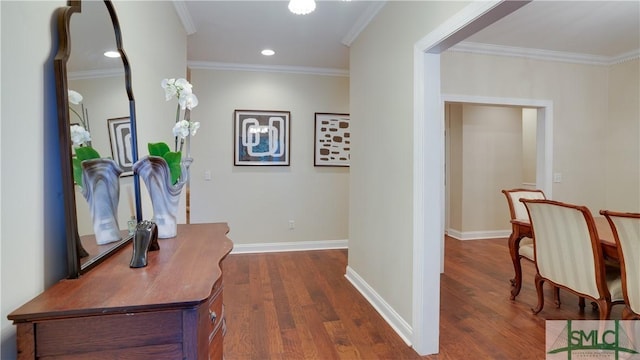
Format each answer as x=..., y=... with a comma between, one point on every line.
x=33, y=240
x=529, y=145
x=580, y=99
x=259, y=201
x=622, y=134
x=381, y=195
x=453, y=165
x=492, y=161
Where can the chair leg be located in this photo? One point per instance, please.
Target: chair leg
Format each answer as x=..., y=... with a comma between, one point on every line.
x=516, y=282
x=556, y=296
x=539, y=281
x=628, y=314
x=605, y=308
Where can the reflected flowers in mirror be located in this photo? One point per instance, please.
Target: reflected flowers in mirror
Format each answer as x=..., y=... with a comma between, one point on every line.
x=80, y=137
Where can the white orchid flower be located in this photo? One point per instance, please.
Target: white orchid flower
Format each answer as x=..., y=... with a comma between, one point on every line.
x=181, y=129
x=183, y=90
x=194, y=125
x=169, y=88
x=79, y=136
x=74, y=97
x=188, y=101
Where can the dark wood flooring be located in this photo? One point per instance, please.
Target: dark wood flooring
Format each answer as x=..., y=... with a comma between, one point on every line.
x=298, y=305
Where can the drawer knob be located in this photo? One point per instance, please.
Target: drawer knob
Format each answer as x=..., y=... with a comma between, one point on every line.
x=213, y=316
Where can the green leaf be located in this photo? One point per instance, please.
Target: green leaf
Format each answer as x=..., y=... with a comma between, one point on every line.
x=86, y=153
x=158, y=149
x=77, y=170
x=82, y=153
x=173, y=160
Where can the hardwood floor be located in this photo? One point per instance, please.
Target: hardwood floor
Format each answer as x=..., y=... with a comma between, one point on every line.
x=298, y=305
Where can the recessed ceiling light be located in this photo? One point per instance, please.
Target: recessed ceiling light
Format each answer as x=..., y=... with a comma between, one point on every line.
x=268, y=52
x=112, y=54
x=302, y=7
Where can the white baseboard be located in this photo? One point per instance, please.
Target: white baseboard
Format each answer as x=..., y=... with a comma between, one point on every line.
x=478, y=235
x=289, y=246
x=396, y=322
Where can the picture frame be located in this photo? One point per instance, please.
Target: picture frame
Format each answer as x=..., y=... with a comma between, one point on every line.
x=261, y=138
x=120, y=139
x=332, y=140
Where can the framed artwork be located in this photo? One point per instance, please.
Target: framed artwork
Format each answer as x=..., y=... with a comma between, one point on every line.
x=120, y=139
x=261, y=137
x=332, y=143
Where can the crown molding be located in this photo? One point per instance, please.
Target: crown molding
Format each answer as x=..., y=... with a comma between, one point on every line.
x=632, y=55
x=94, y=74
x=538, y=54
x=185, y=16
x=361, y=23
x=267, y=68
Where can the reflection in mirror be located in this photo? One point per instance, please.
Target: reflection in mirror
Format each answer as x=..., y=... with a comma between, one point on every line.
x=99, y=100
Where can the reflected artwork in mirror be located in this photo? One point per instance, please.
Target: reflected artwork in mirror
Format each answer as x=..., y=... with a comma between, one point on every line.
x=102, y=197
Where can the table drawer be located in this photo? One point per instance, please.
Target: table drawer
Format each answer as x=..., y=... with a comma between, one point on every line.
x=216, y=313
x=109, y=332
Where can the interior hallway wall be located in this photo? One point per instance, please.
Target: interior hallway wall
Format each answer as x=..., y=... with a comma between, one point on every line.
x=259, y=201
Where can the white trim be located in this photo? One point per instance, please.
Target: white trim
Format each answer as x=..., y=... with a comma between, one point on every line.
x=428, y=206
x=540, y=54
x=397, y=323
x=361, y=23
x=185, y=16
x=207, y=65
x=289, y=246
x=478, y=235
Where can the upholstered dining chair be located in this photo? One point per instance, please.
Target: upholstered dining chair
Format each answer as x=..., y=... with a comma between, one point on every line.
x=626, y=233
x=520, y=241
x=568, y=254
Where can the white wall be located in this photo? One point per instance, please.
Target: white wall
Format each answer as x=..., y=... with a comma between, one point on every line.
x=381, y=196
x=259, y=201
x=33, y=241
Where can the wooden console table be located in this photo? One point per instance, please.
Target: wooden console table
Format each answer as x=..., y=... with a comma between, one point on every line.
x=170, y=309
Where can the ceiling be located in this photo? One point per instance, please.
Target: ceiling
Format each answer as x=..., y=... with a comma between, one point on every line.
x=236, y=31
x=223, y=33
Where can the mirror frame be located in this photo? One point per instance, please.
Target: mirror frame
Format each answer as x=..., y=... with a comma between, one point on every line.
x=75, y=251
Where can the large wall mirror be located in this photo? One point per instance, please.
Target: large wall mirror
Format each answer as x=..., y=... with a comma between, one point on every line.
x=94, y=92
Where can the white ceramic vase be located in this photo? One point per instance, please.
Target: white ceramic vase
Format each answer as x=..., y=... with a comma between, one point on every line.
x=101, y=189
x=165, y=197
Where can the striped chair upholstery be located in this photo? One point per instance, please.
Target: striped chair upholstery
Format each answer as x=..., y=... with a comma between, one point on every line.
x=626, y=232
x=568, y=254
x=520, y=242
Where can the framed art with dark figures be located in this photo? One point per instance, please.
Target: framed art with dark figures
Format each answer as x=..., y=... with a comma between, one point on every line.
x=332, y=144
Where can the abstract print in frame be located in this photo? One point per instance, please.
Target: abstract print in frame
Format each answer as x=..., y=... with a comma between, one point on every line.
x=332, y=143
x=261, y=137
x=120, y=138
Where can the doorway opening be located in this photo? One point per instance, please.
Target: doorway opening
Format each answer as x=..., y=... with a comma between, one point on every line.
x=490, y=145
